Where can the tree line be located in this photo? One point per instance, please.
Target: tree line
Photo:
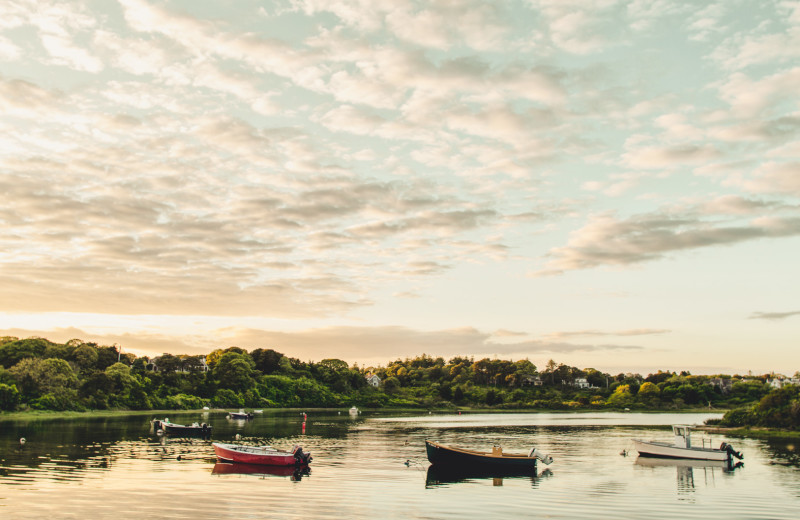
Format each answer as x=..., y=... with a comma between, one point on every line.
x=39, y=374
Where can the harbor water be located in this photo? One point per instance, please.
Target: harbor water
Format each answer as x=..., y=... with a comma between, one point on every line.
x=373, y=465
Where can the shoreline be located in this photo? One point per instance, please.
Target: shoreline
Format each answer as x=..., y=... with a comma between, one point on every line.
x=69, y=414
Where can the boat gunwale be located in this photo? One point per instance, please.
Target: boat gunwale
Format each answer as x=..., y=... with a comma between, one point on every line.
x=483, y=454
x=254, y=450
x=668, y=445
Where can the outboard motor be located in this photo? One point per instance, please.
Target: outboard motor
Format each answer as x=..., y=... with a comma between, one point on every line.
x=547, y=459
x=730, y=451
x=300, y=457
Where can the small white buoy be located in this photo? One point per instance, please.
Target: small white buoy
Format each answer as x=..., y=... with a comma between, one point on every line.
x=22, y=441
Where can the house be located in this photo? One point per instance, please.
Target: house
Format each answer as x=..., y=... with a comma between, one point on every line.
x=531, y=380
x=373, y=380
x=780, y=382
x=723, y=385
x=581, y=382
x=151, y=365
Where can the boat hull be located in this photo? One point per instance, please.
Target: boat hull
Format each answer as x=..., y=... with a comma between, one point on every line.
x=667, y=451
x=465, y=459
x=255, y=455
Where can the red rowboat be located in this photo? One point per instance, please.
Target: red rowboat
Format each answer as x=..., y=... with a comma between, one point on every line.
x=266, y=455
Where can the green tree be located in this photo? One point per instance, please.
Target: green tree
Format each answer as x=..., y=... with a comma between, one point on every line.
x=168, y=363
x=621, y=397
x=40, y=376
x=267, y=361
x=85, y=356
x=235, y=371
x=13, y=352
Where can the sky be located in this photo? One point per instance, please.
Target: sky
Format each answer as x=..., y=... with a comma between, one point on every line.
x=608, y=184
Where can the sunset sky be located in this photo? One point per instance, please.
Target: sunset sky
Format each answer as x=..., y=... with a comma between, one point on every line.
x=610, y=184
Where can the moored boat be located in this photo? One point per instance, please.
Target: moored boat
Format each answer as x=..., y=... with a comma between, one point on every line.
x=266, y=455
x=681, y=447
x=240, y=415
x=194, y=429
x=441, y=455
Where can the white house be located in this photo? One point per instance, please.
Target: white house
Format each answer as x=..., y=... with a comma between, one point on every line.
x=532, y=380
x=373, y=380
x=581, y=382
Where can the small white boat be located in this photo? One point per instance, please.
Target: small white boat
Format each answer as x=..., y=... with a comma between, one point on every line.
x=354, y=411
x=682, y=448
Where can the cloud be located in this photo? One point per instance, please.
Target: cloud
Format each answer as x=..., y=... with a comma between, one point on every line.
x=774, y=177
x=383, y=344
x=608, y=240
x=365, y=345
x=595, y=333
x=773, y=316
x=776, y=40
x=667, y=156
x=748, y=97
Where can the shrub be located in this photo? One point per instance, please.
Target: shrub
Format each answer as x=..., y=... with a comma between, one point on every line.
x=9, y=397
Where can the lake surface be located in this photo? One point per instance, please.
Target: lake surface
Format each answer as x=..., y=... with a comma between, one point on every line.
x=374, y=466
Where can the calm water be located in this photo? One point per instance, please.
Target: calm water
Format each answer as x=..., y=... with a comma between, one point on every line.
x=374, y=466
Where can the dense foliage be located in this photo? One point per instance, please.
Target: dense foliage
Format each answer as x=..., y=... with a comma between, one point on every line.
x=39, y=374
x=780, y=408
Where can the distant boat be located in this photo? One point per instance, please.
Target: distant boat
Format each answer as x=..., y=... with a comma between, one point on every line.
x=441, y=455
x=354, y=411
x=241, y=414
x=195, y=429
x=264, y=455
x=681, y=447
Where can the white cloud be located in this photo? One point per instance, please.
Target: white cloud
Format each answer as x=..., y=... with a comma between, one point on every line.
x=775, y=41
x=609, y=241
x=9, y=51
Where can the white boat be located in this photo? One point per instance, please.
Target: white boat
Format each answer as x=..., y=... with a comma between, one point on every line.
x=354, y=411
x=682, y=448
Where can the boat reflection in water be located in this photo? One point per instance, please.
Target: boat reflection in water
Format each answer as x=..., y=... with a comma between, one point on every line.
x=690, y=472
x=442, y=476
x=295, y=473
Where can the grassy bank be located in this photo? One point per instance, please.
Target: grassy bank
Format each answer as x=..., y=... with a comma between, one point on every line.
x=753, y=433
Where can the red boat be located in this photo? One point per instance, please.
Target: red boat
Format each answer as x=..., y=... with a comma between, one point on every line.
x=265, y=455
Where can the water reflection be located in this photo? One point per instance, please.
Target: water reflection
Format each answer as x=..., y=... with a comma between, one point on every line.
x=294, y=473
x=115, y=469
x=442, y=476
x=707, y=471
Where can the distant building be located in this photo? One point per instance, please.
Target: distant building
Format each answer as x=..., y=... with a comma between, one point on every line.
x=581, y=382
x=723, y=385
x=373, y=380
x=780, y=382
x=531, y=381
